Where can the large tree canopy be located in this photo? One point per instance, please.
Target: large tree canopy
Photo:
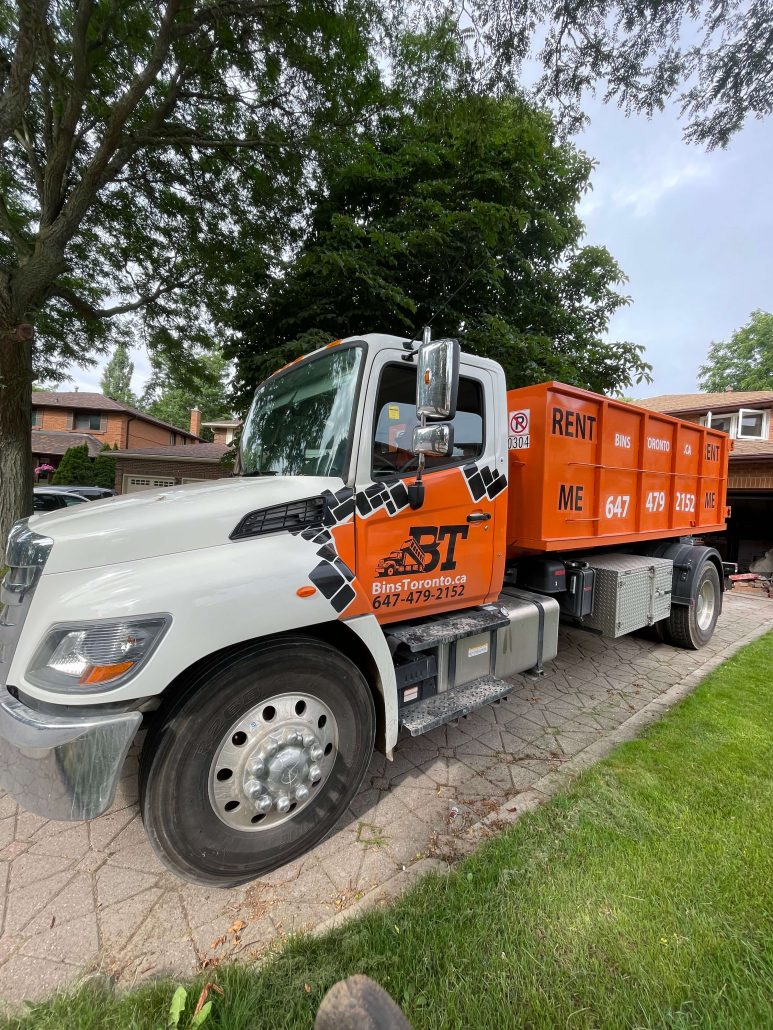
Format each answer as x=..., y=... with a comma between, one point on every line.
x=712, y=57
x=463, y=214
x=135, y=137
x=171, y=397
x=745, y=361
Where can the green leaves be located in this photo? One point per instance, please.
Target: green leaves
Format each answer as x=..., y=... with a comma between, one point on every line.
x=76, y=468
x=177, y=1006
x=463, y=213
x=745, y=361
x=712, y=58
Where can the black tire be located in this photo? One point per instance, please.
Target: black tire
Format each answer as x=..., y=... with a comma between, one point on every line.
x=181, y=823
x=687, y=625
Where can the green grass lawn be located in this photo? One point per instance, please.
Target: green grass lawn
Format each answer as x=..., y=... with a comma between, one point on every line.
x=641, y=897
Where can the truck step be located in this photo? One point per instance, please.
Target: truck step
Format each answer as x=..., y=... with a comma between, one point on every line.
x=444, y=629
x=453, y=704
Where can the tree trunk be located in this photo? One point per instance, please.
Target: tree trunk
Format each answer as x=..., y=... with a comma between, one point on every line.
x=15, y=420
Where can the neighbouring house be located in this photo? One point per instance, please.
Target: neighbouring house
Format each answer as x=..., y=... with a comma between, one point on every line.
x=62, y=420
x=747, y=417
x=148, y=467
x=225, y=431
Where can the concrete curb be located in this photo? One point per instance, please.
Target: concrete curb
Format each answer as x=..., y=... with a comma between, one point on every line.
x=543, y=789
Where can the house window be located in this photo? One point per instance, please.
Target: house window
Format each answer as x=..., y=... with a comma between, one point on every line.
x=724, y=423
x=172, y=439
x=752, y=425
x=36, y=417
x=89, y=423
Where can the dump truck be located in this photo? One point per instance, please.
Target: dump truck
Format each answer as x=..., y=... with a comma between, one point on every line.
x=409, y=558
x=401, y=536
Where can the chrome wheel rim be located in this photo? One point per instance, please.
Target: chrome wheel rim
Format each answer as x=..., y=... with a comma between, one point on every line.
x=706, y=602
x=272, y=762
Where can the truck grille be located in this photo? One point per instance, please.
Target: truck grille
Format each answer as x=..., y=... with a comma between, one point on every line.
x=293, y=515
x=26, y=555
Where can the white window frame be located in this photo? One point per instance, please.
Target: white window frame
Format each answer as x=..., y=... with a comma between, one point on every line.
x=764, y=427
x=706, y=420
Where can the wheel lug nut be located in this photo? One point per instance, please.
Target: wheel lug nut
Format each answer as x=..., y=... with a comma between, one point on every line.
x=264, y=803
x=301, y=792
x=253, y=789
x=257, y=768
x=271, y=748
x=308, y=739
x=283, y=804
x=315, y=773
x=316, y=753
x=294, y=738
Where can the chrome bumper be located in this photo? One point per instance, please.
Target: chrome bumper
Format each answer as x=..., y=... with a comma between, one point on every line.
x=62, y=766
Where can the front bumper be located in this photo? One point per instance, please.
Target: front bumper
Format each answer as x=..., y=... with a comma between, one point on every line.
x=62, y=766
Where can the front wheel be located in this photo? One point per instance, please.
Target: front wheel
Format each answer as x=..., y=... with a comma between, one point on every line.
x=693, y=626
x=255, y=762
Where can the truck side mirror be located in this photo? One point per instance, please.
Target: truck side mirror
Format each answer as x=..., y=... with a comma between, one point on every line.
x=437, y=382
x=436, y=439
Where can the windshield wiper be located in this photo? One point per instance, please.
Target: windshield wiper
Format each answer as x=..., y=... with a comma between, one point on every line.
x=258, y=472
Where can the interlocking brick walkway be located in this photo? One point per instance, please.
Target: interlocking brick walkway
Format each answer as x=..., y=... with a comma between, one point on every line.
x=82, y=896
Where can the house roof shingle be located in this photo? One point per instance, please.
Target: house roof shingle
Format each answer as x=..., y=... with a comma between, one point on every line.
x=215, y=451
x=54, y=441
x=98, y=402
x=746, y=449
x=674, y=403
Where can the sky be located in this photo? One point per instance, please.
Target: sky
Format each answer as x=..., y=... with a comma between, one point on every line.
x=692, y=230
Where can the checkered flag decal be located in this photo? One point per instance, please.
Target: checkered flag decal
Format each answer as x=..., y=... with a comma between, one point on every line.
x=389, y=494
x=483, y=481
x=332, y=576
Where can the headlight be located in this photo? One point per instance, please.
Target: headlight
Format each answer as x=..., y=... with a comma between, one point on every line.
x=89, y=656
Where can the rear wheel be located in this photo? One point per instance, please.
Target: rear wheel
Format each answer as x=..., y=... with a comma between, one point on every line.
x=256, y=761
x=693, y=626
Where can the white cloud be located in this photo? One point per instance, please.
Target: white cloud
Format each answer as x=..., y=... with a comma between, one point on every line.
x=87, y=379
x=647, y=188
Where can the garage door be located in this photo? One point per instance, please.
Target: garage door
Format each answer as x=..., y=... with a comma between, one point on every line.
x=131, y=484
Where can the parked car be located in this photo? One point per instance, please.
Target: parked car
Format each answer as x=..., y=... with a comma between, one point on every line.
x=91, y=493
x=52, y=498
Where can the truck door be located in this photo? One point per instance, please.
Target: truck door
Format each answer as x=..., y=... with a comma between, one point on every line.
x=446, y=554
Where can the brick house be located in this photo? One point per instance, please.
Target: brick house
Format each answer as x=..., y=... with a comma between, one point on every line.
x=62, y=420
x=148, y=467
x=225, y=431
x=747, y=417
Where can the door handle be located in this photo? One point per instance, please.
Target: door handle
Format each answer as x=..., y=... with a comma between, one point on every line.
x=479, y=516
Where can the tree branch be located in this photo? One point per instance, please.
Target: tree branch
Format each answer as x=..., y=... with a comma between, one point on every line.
x=94, y=174
x=22, y=246
x=87, y=310
x=60, y=157
x=16, y=92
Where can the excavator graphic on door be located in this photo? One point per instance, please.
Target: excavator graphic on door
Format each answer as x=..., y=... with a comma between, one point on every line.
x=409, y=558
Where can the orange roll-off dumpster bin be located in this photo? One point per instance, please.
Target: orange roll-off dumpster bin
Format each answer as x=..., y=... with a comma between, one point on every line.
x=589, y=471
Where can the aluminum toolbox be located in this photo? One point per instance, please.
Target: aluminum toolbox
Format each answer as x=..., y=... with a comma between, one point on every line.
x=631, y=591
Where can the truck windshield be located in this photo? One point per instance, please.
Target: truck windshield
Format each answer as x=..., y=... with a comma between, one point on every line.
x=299, y=423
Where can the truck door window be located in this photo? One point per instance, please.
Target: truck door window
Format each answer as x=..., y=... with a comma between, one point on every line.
x=396, y=418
